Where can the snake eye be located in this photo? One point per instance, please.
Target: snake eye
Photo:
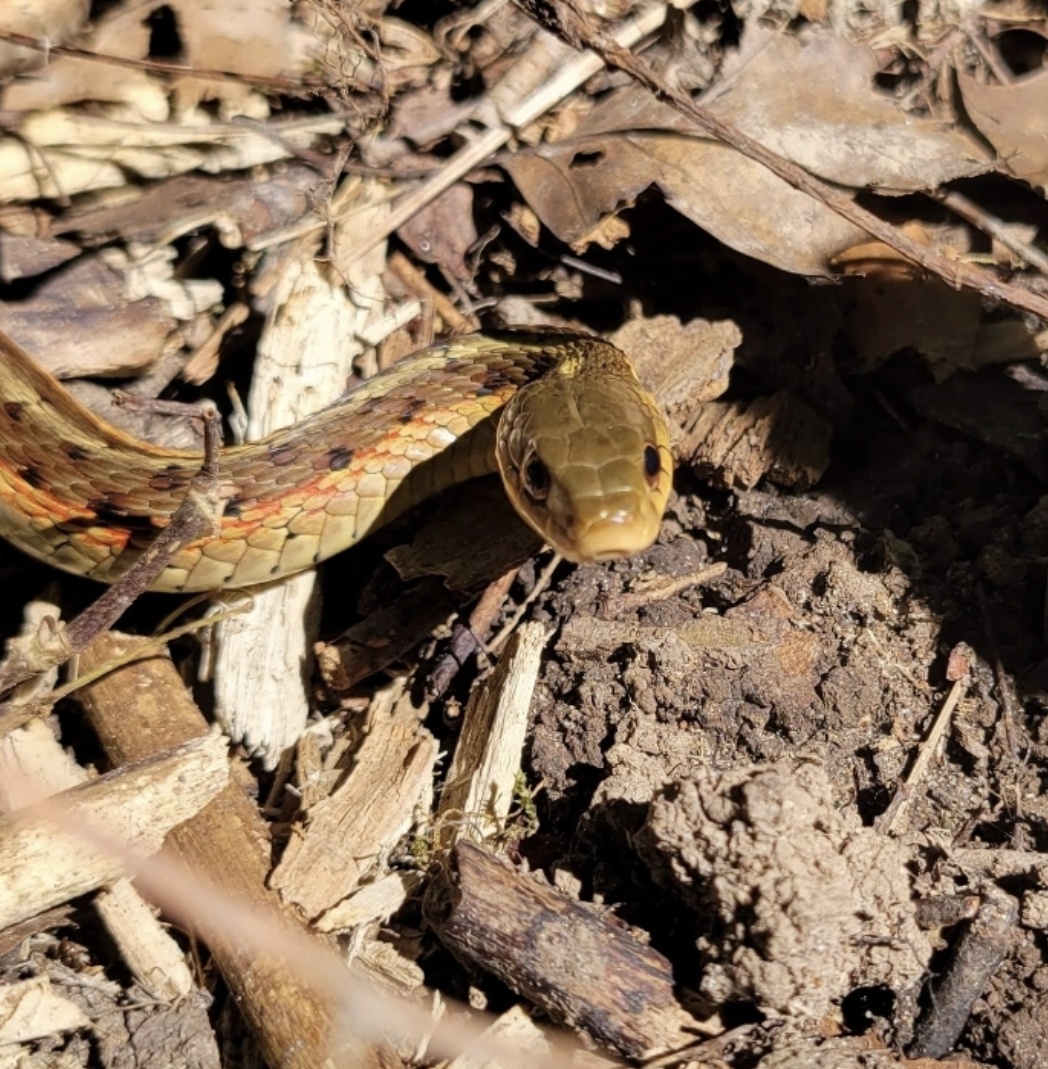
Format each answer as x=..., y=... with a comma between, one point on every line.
x=536, y=478
x=652, y=463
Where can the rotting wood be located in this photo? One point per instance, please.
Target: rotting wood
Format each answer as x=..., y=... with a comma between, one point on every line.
x=579, y=967
x=977, y=955
x=143, y=707
x=376, y=901
x=737, y=443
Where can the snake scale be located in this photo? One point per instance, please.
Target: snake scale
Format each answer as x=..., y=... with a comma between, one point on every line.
x=582, y=448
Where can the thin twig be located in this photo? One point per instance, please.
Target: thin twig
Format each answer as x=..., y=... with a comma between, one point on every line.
x=198, y=514
x=571, y=76
x=993, y=227
x=13, y=714
x=619, y=604
x=929, y=748
x=540, y=585
x=467, y=639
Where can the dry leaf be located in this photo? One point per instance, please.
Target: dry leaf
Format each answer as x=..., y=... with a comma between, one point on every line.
x=740, y=202
x=1013, y=119
x=812, y=98
x=443, y=231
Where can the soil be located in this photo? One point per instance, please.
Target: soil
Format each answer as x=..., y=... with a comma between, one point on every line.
x=740, y=754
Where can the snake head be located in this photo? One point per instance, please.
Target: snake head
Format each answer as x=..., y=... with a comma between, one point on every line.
x=585, y=458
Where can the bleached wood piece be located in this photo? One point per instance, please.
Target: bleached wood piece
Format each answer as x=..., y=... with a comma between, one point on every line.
x=154, y=958
x=44, y=862
x=32, y=1010
x=479, y=790
x=376, y=901
x=156, y=961
x=517, y=1031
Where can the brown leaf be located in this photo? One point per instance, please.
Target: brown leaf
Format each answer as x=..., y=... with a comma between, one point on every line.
x=443, y=231
x=1012, y=118
x=738, y=201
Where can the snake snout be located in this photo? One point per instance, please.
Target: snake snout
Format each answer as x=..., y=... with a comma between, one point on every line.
x=615, y=534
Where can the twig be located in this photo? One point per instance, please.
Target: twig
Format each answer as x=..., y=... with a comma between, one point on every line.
x=976, y=957
x=467, y=639
x=540, y=585
x=993, y=227
x=929, y=749
x=563, y=18
x=990, y=57
x=619, y=604
x=14, y=714
x=420, y=286
x=153, y=66
x=202, y=363
x=527, y=111
x=198, y=514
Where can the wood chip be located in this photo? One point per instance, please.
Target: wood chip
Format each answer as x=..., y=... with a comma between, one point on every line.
x=479, y=790
x=349, y=832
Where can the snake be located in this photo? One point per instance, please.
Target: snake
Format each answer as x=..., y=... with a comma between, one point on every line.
x=583, y=450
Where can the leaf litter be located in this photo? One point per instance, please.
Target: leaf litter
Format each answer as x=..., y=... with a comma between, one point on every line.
x=730, y=744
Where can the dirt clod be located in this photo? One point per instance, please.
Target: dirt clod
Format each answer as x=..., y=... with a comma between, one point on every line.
x=806, y=903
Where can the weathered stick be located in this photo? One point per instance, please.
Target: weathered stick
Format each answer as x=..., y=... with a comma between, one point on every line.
x=145, y=707
x=579, y=967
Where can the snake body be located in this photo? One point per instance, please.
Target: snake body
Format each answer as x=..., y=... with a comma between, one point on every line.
x=583, y=451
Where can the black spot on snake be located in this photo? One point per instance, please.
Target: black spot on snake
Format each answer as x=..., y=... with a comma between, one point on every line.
x=339, y=459
x=32, y=476
x=14, y=410
x=411, y=409
x=74, y=451
x=106, y=512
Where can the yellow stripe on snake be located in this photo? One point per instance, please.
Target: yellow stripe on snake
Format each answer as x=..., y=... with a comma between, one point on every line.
x=582, y=448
